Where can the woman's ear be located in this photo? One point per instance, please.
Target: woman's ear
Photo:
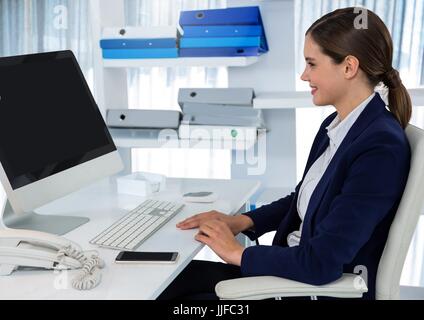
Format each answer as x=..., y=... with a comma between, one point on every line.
x=351, y=67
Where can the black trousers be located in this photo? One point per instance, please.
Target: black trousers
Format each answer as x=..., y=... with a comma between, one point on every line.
x=197, y=281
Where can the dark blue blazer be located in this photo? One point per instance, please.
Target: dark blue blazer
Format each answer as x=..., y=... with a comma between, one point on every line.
x=349, y=213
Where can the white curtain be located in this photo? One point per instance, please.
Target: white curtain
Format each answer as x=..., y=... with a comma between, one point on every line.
x=31, y=26
x=405, y=21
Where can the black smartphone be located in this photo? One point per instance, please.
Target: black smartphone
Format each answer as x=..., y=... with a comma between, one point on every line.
x=146, y=257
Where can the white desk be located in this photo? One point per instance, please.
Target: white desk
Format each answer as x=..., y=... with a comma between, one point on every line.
x=103, y=205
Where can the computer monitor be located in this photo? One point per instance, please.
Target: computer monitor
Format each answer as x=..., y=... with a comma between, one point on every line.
x=53, y=139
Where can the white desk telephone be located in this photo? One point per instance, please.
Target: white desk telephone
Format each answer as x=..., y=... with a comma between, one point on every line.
x=43, y=250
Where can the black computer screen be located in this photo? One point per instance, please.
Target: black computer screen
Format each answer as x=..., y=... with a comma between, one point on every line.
x=49, y=121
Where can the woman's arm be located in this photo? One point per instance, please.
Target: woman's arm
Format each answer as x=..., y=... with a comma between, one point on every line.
x=264, y=219
x=236, y=224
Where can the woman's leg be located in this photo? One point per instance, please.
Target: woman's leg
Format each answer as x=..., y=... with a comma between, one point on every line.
x=197, y=281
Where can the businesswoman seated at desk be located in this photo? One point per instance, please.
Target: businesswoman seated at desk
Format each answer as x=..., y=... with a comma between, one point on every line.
x=339, y=215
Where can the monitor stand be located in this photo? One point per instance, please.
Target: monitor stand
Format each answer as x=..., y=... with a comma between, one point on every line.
x=33, y=221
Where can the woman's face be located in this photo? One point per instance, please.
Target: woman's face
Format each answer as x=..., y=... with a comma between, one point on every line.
x=324, y=76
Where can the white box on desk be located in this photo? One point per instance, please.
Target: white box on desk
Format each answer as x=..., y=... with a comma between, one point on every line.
x=141, y=183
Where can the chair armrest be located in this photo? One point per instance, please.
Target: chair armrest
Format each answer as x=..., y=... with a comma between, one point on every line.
x=255, y=288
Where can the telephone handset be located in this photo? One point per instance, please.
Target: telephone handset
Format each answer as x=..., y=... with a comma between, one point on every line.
x=43, y=250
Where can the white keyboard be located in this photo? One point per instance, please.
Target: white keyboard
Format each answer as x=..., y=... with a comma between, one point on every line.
x=136, y=226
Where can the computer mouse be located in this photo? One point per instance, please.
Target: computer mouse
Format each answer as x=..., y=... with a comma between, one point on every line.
x=201, y=196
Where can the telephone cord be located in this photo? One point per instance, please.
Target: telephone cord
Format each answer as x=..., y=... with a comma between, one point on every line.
x=90, y=275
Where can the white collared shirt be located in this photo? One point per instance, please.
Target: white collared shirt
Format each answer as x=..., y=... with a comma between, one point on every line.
x=336, y=131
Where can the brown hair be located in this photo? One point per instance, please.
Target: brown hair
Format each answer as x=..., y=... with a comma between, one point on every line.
x=337, y=36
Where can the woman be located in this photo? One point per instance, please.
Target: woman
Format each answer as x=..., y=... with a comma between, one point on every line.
x=339, y=215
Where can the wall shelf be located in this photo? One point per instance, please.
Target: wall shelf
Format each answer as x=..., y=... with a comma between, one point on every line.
x=283, y=100
x=303, y=99
x=141, y=138
x=181, y=62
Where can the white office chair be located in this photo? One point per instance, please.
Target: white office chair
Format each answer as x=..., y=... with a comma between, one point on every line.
x=350, y=285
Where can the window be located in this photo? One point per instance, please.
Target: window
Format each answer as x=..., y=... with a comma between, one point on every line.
x=47, y=26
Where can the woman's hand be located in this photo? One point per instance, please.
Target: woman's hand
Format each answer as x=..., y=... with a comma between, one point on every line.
x=198, y=219
x=217, y=235
x=236, y=224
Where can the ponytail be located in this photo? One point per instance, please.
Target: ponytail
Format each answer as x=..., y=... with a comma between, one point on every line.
x=399, y=100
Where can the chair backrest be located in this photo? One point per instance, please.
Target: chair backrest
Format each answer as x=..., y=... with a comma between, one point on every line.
x=404, y=223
